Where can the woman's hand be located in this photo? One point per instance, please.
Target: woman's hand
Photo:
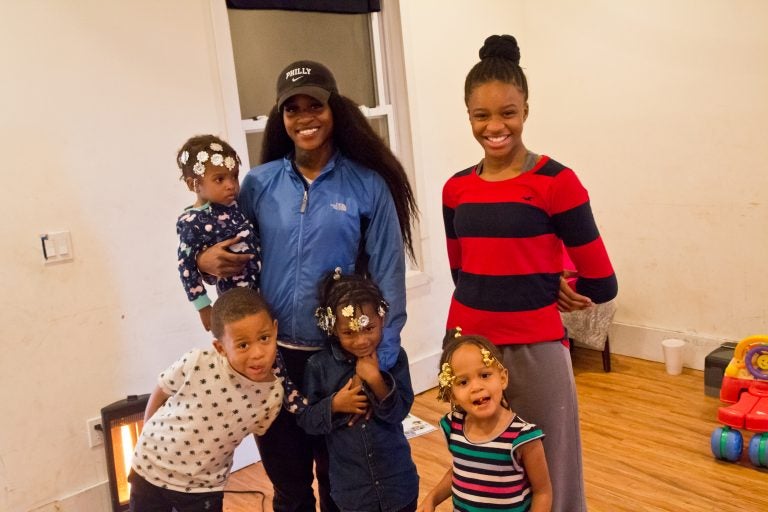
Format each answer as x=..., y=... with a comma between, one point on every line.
x=350, y=399
x=567, y=298
x=219, y=262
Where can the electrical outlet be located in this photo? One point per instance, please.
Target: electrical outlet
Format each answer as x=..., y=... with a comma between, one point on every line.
x=95, y=432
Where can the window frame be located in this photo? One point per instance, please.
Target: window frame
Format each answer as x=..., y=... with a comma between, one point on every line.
x=389, y=69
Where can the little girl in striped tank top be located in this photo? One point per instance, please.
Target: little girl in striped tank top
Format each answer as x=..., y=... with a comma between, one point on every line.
x=498, y=458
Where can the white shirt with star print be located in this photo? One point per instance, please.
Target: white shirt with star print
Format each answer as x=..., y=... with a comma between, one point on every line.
x=189, y=443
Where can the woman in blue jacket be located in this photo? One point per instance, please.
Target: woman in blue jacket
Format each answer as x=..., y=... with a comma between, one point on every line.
x=331, y=194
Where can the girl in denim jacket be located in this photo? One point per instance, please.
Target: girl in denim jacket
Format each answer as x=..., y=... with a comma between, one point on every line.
x=370, y=459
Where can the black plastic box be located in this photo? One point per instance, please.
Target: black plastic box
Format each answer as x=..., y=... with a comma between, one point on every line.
x=714, y=368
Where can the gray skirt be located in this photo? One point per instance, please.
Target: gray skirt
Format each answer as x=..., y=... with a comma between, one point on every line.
x=542, y=391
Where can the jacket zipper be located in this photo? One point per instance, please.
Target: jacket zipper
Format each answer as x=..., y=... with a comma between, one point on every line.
x=299, y=246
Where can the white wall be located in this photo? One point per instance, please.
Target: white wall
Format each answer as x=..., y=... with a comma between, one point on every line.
x=95, y=98
x=657, y=105
x=660, y=108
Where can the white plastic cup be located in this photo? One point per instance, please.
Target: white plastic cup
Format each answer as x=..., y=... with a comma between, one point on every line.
x=673, y=355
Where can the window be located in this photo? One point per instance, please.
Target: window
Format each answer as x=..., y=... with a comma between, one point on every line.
x=364, y=51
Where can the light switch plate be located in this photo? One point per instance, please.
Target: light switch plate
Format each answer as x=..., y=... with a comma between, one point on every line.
x=57, y=247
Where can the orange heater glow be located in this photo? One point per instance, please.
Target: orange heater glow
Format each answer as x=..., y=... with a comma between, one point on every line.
x=122, y=423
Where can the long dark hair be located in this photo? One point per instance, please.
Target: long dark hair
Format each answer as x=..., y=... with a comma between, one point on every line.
x=355, y=138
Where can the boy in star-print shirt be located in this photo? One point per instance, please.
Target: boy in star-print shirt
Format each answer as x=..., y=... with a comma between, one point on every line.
x=204, y=405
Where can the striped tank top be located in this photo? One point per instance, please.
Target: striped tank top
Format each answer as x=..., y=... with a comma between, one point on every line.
x=487, y=476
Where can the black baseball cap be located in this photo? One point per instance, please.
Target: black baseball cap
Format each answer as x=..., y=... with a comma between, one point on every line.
x=305, y=77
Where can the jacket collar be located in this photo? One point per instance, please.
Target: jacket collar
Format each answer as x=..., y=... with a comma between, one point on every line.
x=289, y=165
x=339, y=353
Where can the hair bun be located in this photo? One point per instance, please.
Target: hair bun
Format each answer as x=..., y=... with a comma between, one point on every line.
x=504, y=46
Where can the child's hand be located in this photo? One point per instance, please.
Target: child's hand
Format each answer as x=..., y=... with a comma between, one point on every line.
x=367, y=368
x=426, y=506
x=368, y=409
x=205, y=317
x=350, y=399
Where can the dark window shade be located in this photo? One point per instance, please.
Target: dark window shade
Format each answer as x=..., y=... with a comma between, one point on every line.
x=336, y=6
x=262, y=49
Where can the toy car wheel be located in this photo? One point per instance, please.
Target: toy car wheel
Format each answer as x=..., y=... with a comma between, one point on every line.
x=727, y=444
x=756, y=362
x=758, y=450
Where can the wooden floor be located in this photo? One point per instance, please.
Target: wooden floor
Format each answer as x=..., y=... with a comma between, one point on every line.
x=645, y=445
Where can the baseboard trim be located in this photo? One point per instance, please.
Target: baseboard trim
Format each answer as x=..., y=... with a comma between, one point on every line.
x=626, y=340
x=95, y=498
x=645, y=343
x=424, y=372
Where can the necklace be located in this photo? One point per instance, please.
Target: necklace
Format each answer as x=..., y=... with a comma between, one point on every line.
x=530, y=161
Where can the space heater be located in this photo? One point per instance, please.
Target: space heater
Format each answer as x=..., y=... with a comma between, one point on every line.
x=121, y=424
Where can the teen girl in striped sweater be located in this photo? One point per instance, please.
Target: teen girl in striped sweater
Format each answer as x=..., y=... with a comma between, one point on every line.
x=507, y=220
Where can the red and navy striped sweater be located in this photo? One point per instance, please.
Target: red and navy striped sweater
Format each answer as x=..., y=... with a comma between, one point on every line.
x=505, y=242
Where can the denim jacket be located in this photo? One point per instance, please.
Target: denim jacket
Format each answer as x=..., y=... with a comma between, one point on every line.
x=370, y=462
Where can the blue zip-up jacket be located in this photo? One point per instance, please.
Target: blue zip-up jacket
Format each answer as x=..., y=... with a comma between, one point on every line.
x=306, y=231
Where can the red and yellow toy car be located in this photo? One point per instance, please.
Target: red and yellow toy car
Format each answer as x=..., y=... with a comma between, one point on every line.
x=745, y=387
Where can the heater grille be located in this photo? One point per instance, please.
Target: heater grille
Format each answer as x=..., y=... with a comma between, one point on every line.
x=123, y=421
